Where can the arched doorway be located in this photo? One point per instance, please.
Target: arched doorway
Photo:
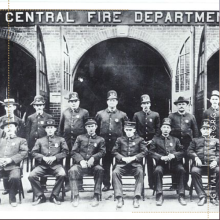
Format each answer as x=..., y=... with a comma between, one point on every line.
x=22, y=76
x=130, y=67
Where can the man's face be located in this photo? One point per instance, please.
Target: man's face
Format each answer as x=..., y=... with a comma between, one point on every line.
x=165, y=129
x=10, y=129
x=9, y=109
x=214, y=101
x=39, y=107
x=112, y=103
x=50, y=130
x=206, y=131
x=91, y=128
x=181, y=106
x=129, y=131
x=74, y=103
x=146, y=106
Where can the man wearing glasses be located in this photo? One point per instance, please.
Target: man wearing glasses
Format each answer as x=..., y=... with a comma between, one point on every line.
x=71, y=125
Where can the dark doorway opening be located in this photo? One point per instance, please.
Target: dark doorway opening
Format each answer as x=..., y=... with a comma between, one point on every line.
x=22, y=77
x=130, y=67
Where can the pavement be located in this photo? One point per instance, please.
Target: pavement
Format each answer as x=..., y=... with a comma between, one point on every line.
x=107, y=204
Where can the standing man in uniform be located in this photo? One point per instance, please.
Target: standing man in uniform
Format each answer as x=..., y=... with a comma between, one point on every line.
x=71, y=125
x=88, y=149
x=213, y=114
x=13, y=150
x=147, y=125
x=10, y=106
x=34, y=125
x=204, y=151
x=129, y=150
x=184, y=127
x=110, y=122
x=49, y=151
x=168, y=152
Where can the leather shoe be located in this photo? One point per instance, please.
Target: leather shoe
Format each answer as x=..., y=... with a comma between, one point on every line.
x=40, y=199
x=75, y=201
x=182, y=200
x=202, y=201
x=106, y=188
x=136, y=202
x=54, y=200
x=159, y=199
x=214, y=201
x=14, y=204
x=120, y=202
x=95, y=201
x=5, y=192
x=29, y=190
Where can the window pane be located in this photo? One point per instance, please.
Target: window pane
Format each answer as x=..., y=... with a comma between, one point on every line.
x=177, y=83
x=187, y=80
x=187, y=46
x=181, y=64
x=187, y=62
x=182, y=82
x=64, y=80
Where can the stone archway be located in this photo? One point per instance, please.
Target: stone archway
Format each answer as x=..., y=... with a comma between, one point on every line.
x=212, y=49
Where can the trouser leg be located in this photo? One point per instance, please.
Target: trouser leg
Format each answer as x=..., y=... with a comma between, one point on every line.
x=116, y=180
x=59, y=173
x=98, y=172
x=75, y=174
x=139, y=180
x=150, y=171
x=34, y=176
x=197, y=181
x=13, y=183
x=158, y=179
x=107, y=161
x=180, y=175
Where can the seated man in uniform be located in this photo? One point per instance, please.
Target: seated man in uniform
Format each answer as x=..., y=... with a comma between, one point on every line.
x=88, y=149
x=168, y=153
x=129, y=151
x=13, y=150
x=48, y=152
x=205, y=154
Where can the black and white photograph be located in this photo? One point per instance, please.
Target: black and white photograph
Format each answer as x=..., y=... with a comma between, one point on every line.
x=112, y=111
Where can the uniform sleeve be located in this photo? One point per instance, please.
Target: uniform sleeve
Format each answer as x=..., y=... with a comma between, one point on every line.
x=61, y=125
x=23, y=150
x=21, y=129
x=98, y=120
x=102, y=151
x=143, y=150
x=64, y=150
x=217, y=151
x=157, y=124
x=195, y=128
x=125, y=118
x=153, y=150
x=75, y=151
x=36, y=151
x=28, y=129
x=134, y=118
x=116, y=149
x=191, y=150
x=179, y=154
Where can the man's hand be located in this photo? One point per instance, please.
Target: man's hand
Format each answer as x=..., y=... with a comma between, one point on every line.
x=198, y=162
x=125, y=159
x=51, y=160
x=83, y=164
x=165, y=158
x=7, y=161
x=1, y=162
x=90, y=162
x=171, y=156
x=213, y=164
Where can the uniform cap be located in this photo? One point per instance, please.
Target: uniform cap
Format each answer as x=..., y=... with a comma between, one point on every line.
x=206, y=123
x=180, y=100
x=49, y=122
x=145, y=98
x=215, y=93
x=9, y=102
x=38, y=99
x=90, y=121
x=130, y=124
x=112, y=94
x=166, y=121
x=73, y=96
x=8, y=122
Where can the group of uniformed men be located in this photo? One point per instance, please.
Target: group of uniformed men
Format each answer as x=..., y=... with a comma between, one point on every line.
x=128, y=141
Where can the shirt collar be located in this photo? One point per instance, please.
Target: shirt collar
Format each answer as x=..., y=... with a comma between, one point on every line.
x=41, y=115
x=114, y=111
x=93, y=136
x=11, y=116
x=168, y=137
x=131, y=138
x=181, y=114
x=214, y=109
x=11, y=137
x=148, y=113
x=74, y=110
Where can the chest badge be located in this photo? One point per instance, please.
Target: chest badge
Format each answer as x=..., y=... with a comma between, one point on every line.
x=116, y=120
x=13, y=144
x=95, y=145
x=150, y=120
x=133, y=143
x=77, y=116
x=42, y=122
x=56, y=145
x=187, y=121
x=171, y=144
x=212, y=143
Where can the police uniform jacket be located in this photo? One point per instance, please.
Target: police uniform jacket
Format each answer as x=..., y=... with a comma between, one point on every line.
x=183, y=125
x=147, y=123
x=129, y=147
x=161, y=146
x=20, y=128
x=14, y=148
x=207, y=149
x=72, y=123
x=87, y=146
x=213, y=116
x=48, y=147
x=34, y=128
x=111, y=125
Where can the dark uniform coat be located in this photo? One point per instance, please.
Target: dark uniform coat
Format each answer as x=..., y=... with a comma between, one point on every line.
x=14, y=148
x=34, y=128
